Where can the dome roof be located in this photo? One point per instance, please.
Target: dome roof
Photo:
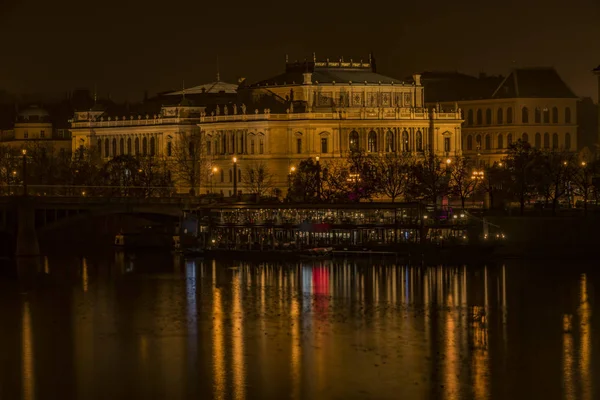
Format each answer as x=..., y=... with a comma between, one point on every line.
x=34, y=111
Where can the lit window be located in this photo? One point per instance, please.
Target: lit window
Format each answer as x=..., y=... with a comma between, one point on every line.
x=324, y=145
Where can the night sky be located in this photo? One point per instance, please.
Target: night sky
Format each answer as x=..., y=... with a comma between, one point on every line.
x=128, y=46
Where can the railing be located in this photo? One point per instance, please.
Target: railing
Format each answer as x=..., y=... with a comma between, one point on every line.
x=134, y=122
x=86, y=192
x=362, y=113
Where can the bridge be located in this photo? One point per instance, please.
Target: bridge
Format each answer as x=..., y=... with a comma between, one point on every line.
x=25, y=217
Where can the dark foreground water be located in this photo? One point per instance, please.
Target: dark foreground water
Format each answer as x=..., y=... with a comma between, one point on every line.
x=160, y=327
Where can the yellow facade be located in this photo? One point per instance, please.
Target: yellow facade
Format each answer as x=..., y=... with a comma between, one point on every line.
x=491, y=125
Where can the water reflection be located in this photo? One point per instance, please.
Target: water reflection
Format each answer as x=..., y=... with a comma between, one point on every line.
x=177, y=328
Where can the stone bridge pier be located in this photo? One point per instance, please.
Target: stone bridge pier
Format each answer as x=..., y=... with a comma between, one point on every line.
x=27, y=244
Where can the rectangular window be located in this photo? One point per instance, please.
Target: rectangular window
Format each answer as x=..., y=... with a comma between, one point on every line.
x=324, y=148
x=299, y=146
x=169, y=149
x=208, y=148
x=26, y=135
x=447, y=144
x=42, y=134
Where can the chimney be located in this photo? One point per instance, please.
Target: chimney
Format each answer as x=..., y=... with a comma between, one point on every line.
x=417, y=79
x=307, y=78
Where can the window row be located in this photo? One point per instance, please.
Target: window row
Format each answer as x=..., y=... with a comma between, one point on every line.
x=544, y=115
x=227, y=145
x=389, y=145
x=136, y=147
x=487, y=141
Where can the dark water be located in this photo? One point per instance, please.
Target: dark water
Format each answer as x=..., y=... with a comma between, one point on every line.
x=160, y=327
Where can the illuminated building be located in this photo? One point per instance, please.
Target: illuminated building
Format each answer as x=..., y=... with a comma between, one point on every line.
x=530, y=104
x=322, y=109
x=313, y=109
x=34, y=127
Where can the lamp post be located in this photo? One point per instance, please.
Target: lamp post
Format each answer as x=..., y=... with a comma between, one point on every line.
x=24, y=152
x=318, y=179
x=212, y=173
x=235, y=177
x=292, y=170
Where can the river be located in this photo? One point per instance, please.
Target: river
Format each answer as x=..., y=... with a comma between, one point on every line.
x=157, y=326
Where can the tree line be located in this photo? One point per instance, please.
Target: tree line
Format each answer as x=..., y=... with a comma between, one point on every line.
x=546, y=177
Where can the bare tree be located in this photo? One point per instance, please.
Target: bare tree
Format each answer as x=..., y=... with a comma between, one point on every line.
x=431, y=178
x=10, y=165
x=189, y=162
x=394, y=173
x=334, y=181
x=464, y=179
x=258, y=179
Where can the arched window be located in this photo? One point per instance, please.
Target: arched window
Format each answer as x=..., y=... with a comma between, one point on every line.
x=216, y=147
x=470, y=117
x=509, y=139
x=509, y=115
x=129, y=146
x=419, y=140
x=567, y=115
x=153, y=147
x=488, y=142
x=525, y=137
x=389, y=142
x=121, y=146
x=99, y=145
x=500, y=141
x=372, y=142
x=538, y=115
x=555, y=115
x=567, y=141
x=469, y=142
x=546, y=140
x=298, y=145
x=478, y=142
x=405, y=142
x=261, y=146
x=251, y=146
x=242, y=149
x=479, y=117
x=222, y=176
x=555, y=141
x=192, y=149
x=525, y=115
x=106, y=148
x=137, y=146
x=145, y=146
x=488, y=116
x=324, y=145
x=353, y=142
x=223, y=144
x=500, y=116
x=538, y=140
x=546, y=115
x=114, y=147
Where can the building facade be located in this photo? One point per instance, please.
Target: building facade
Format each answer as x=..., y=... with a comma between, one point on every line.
x=531, y=104
x=322, y=110
x=34, y=127
x=313, y=109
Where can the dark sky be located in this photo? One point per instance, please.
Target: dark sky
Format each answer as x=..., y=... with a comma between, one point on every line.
x=128, y=46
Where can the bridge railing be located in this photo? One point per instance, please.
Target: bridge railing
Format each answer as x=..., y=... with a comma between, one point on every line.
x=92, y=191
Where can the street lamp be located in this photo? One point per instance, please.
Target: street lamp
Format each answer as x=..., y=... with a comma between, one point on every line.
x=213, y=172
x=235, y=176
x=24, y=152
x=318, y=179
